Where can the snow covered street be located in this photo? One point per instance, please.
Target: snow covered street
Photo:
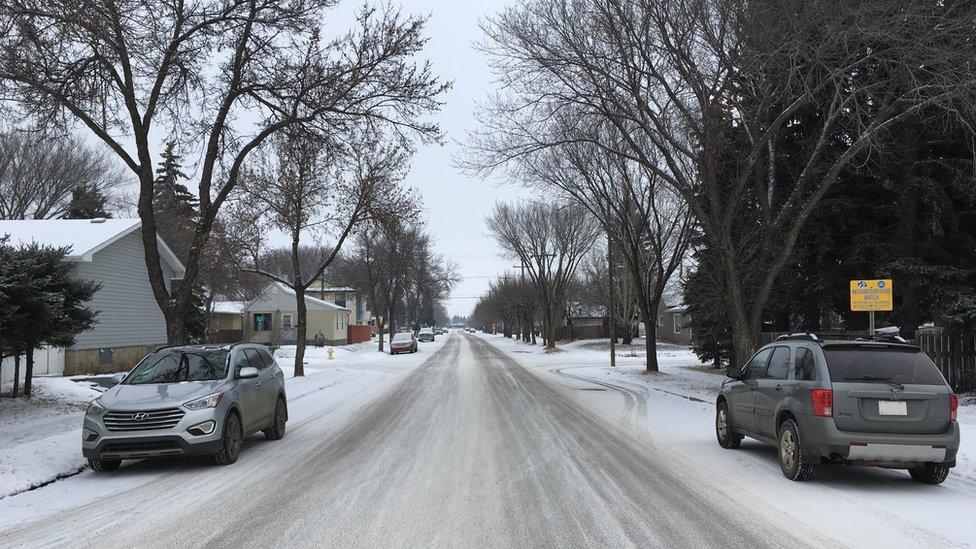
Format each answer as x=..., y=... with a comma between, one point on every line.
x=481, y=441
x=675, y=409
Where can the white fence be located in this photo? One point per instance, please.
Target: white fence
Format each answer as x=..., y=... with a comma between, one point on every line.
x=47, y=361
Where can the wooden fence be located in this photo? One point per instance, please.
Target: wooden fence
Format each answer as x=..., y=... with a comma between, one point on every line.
x=954, y=353
x=564, y=333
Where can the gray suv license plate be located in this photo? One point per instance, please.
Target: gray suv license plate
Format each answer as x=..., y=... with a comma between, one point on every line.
x=892, y=408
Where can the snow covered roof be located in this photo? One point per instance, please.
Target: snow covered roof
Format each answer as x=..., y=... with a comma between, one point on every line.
x=229, y=307
x=680, y=308
x=283, y=288
x=84, y=236
x=590, y=311
x=314, y=288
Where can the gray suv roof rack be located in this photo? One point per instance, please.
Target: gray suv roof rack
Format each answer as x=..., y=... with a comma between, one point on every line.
x=806, y=336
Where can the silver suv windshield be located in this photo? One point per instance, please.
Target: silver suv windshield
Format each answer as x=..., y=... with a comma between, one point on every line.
x=873, y=364
x=180, y=364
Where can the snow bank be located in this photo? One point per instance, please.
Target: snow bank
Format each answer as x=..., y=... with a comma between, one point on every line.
x=41, y=434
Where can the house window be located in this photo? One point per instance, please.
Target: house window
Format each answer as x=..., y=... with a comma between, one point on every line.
x=660, y=321
x=286, y=321
x=262, y=322
x=677, y=323
x=340, y=299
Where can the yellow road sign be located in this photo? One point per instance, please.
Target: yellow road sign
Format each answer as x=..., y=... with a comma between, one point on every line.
x=871, y=295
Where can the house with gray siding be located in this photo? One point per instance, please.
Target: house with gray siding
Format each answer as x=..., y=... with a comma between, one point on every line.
x=110, y=253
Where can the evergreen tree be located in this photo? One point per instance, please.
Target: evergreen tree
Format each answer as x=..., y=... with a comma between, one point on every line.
x=46, y=301
x=86, y=203
x=175, y=207
x=169, y=194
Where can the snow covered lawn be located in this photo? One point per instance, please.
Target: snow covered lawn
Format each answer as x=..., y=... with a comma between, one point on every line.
x=41, y=436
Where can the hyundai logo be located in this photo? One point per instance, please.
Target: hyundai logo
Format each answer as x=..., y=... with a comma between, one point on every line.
x=140, y=416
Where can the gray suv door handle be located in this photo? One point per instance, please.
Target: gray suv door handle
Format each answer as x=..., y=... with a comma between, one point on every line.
x=779, y=387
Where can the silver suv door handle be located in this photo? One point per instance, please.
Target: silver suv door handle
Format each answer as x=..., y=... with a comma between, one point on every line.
x=779, y=387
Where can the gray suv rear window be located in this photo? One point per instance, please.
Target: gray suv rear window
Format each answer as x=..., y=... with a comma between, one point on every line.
x=871, y=363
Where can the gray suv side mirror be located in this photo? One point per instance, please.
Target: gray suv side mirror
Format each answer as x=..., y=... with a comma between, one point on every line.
x=247, y=372
x=117, y=378
x=734, y=373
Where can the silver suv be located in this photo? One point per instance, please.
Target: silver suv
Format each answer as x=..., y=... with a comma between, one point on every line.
x=874, y=402
x=187, y=400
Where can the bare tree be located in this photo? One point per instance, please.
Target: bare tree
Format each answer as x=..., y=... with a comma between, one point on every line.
x=45, y=177
x=645, y=219
x=128, y=70
x=306, y=194
x=596, y=285
x=550, y=240
x=700, y=92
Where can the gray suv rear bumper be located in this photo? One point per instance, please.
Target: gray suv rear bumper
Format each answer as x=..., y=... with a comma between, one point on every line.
x=826, y=441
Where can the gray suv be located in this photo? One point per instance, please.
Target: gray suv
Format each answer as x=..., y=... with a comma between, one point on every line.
x=187, y=400
x=876, y=402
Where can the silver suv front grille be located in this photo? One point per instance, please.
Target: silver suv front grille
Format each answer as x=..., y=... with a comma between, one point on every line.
x=142, y=420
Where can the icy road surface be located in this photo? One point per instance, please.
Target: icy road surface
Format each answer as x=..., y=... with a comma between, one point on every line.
x=467, y=449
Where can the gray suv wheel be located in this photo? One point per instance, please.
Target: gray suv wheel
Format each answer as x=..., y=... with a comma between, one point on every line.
x=231, y=443
x=276, y=431
x=727, y=437
x=930, y=473
x=791, y=459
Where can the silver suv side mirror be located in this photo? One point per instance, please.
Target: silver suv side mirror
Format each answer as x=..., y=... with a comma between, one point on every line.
x=734, y=373
x=117, y=378
x=247, y=372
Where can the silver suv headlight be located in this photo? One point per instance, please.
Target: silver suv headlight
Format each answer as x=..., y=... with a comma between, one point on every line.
x=209, y=401
x=95, y=408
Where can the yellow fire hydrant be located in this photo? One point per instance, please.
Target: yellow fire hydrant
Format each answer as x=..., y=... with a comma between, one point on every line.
x=330, y=353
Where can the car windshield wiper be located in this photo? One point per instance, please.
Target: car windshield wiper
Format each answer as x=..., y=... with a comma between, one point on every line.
x=887, y=380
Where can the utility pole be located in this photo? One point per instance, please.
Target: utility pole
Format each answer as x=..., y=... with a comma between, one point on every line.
x=611, y=309
x=522, y=267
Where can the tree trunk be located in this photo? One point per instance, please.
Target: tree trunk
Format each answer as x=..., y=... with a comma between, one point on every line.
x=175, y=327
x=381, y=332
x=628, y=334
x=650, y=345
x=300, y=331
x=611, y=305
x=743, y=339
x=16, y=373
x=29, y=371
x=209, y=311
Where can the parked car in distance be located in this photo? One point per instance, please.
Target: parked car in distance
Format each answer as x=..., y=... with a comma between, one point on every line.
x=439, y=331
x=876, y=403
x=426, y=334
x=403, y=342
x=187, y=400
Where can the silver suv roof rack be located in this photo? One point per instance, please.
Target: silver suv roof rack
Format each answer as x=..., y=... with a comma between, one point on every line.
x=806, y=336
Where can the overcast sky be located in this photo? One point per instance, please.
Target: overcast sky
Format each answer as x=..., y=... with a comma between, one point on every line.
x=455, y=205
